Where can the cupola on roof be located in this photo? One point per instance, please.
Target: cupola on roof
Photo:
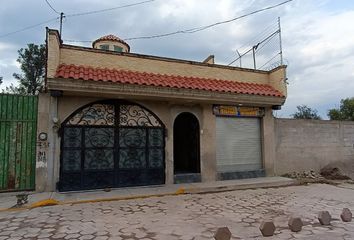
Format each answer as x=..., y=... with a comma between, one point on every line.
x=111, y=42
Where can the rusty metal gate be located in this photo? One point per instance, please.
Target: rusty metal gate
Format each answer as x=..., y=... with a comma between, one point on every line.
x=18, y=124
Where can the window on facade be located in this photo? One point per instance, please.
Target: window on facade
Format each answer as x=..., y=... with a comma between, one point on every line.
x=104, y=47
x=118, y=49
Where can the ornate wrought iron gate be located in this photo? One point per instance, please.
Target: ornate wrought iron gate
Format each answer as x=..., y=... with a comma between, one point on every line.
x=18, y=124
x=111, y=144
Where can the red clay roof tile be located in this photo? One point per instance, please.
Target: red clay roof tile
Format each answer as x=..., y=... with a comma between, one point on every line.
x=162, y=80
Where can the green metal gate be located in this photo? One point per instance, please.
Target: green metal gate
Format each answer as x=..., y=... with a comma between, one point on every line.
x=18, y=126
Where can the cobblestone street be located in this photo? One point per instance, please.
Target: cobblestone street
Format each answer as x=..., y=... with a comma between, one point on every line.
x=183, y=217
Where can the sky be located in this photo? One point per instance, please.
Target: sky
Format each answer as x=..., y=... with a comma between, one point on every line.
x=317, y=37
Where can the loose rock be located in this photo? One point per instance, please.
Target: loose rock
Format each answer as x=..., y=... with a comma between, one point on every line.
x=324, y=217
x=295, y=224
x=267, y=228
x=222, y=234
x=346, y=215
x=304, y=175
x=337, y=171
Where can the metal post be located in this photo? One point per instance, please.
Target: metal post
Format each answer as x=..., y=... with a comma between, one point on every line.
x=61, y=23
x=254, y=56
x=280, y=43
x=239, y=56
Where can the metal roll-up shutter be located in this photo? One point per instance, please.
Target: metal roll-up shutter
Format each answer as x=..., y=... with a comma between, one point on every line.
x=238, y=144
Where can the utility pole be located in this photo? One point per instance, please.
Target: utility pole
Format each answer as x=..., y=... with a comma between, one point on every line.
x=254, y=56
x=61, y=23
x=280, y=43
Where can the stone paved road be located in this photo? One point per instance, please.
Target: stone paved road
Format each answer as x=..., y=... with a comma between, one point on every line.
x=188, y=216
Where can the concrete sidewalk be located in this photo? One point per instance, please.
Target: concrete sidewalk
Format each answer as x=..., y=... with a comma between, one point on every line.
x=8, y=200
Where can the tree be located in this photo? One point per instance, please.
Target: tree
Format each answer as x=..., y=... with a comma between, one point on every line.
x=15, y=90
x=345, y=111
x=305, y=112
x=32, y=61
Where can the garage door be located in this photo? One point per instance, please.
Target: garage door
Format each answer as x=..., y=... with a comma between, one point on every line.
x=238, y=142
x=111, y=144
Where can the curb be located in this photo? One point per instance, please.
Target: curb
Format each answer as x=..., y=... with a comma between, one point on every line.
x=180, y=191
x=54, y=202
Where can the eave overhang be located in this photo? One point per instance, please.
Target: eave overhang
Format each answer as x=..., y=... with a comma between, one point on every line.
x=131, y=91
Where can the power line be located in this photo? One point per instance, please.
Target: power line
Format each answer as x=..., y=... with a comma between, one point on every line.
x=259, y=37
x=29, y=27
x=265, y=41
x=107, y=9
x=264, y=33
x=270, y=60
x=256, y=47
x=71, y=15
x=77, y=41
x=197, y=29
x=52, y=7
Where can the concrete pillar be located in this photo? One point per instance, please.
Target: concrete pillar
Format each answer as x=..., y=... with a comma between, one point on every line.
x=268, y=143
x=208, y=144
x=42, y=153
x=53, y=150
x=169, y=150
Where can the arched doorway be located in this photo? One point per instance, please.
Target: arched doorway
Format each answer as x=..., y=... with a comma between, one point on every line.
x=111, y=144
x=186, y=150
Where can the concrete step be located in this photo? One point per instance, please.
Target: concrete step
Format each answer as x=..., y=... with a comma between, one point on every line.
x=231, y=185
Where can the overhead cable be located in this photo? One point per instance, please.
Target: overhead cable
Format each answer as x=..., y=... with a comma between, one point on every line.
x=77, y=41
x=266, y=40
x=29, y=27
x=261, y=35
x=107, y=9
x=197, y=29
x=270, y=60
x=72, y=15
x=52, y=7
x=256, y=47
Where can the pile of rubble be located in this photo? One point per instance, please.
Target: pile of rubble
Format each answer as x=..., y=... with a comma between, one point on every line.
x=337, y=171
x=304, y=175
x=333, y=171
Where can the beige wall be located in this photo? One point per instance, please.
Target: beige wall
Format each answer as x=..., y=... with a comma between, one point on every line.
x=48, y=151
x=278, y=79
x=167, y=112
x=126, y=62
x=63, y=107
x=268, y=150
x=53, y=57
x=142, y=63
x=303, y=145
x=42, y=146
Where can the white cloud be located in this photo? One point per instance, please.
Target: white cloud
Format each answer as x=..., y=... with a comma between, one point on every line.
x=318, y=36
x=320, y=47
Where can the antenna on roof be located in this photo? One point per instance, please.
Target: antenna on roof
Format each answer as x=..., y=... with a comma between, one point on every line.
x=280, y=44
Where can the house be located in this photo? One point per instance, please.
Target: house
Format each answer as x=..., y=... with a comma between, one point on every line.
x=111, y=118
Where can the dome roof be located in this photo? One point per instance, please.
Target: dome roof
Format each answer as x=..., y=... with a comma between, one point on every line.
x=112, y=38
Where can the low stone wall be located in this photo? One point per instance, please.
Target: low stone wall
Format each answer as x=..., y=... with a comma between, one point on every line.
x=303, y=145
